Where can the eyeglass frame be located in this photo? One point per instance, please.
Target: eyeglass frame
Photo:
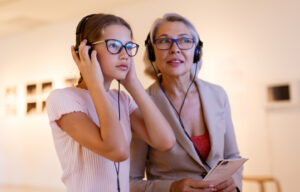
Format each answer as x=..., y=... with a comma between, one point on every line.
x=123, y=46
x=176, y=41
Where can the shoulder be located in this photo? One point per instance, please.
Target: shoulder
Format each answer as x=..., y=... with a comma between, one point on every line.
x=153, y=89
x=212, y=93
x=113, y=93
x=67, y=97
x=66, y=100
x=211, y=88
x=69, y=93
x=124, y=98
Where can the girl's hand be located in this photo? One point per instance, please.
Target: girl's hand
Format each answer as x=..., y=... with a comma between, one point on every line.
x=89, y=67
x=226, y=186
x=131, y=77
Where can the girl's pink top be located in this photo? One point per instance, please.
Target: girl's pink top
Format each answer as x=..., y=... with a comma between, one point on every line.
x=82, y=169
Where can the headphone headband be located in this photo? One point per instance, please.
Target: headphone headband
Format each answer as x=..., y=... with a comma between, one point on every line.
x=80, y=28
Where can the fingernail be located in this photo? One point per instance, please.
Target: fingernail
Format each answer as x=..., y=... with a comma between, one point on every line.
x=212, y=188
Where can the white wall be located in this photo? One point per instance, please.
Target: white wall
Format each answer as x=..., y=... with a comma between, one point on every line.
x=27, y=150
x=246, y=44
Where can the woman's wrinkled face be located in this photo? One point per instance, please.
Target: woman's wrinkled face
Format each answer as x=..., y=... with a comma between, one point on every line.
x=174, y=61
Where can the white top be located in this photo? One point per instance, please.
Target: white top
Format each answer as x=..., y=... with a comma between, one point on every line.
x=83, y=169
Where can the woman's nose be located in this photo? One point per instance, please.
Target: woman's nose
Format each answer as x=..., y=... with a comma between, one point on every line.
x=174, y=47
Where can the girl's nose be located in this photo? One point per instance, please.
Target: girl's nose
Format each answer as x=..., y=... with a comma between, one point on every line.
x=123, y=54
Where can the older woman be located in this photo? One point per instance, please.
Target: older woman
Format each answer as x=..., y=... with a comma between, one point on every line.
x=198, y=112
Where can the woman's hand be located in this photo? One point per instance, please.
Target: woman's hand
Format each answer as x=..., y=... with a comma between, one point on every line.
x=226, y=186
x=191, y=185
x=88, y=66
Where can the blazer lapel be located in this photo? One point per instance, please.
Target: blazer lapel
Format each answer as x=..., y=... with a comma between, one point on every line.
x=165, y=107
x=211, y=112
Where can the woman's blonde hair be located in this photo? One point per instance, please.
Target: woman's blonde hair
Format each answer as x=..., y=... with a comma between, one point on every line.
x=169, y=17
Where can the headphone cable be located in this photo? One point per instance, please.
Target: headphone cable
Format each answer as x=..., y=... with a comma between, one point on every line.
x=180, y=110
x=117, y=165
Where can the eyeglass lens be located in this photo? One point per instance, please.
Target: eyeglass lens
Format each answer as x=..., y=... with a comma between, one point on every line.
x=116, y=46
x=182, y=43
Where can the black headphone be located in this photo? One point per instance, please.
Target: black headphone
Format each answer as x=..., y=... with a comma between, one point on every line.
x=79, y=30
x=151, y=54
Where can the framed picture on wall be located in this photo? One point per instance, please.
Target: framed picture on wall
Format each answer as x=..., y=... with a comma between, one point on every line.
x=11, y=100
x=31, y=108
x=11, y=92
x=46, y=87
x=31, y=89
x=282, y=94
x=43, y=106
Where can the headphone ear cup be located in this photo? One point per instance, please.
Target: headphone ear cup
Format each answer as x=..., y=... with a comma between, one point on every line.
x=151, y=53
x=197, y=52
x=150, y=49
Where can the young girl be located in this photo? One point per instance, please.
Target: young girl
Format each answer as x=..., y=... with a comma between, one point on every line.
x=91, y=124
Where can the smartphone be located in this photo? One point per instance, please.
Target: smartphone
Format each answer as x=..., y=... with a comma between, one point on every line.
x=224, y=169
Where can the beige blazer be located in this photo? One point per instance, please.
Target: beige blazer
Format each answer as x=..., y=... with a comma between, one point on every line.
x=182, y=161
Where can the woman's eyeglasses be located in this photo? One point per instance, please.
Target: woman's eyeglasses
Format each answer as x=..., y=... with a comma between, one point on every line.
x=182, y=43
x=115, y=46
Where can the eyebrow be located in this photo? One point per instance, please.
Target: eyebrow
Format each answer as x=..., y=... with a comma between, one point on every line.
x=180, y=35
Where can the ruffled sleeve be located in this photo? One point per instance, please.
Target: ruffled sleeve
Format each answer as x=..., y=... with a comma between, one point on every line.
x=64, y=101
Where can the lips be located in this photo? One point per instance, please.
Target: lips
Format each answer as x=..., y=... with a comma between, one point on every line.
x=122, y=67
x=174, y=62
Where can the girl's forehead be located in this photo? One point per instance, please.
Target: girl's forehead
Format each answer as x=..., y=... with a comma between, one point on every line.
x=115, y=31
